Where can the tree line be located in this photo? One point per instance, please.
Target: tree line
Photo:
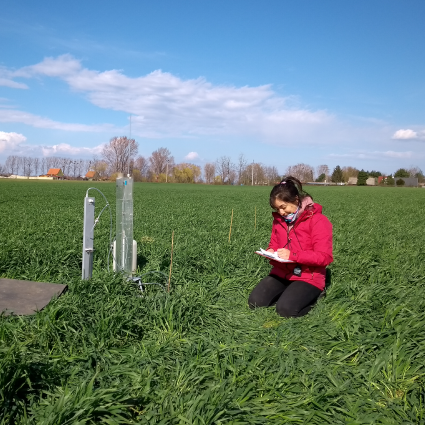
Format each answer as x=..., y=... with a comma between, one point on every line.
x=342, y=175
x=120, y=155
x=28, y=166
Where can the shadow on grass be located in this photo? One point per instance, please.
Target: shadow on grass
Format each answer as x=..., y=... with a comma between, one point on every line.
x=328, y=279
x=141, y=261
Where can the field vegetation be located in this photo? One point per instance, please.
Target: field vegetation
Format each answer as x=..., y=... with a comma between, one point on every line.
x=105, y=353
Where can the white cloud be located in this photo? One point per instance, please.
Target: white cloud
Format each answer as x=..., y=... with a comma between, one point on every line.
x=352, y=155
x=405, y=134
x=192, y=156
x=6, y=79
x=376, y=155
x=163, y=105
x=12, y=115
x=61, y=66
x=392, y=154
x=9, y=141
x=12, y=84
x=68, y=150
x=16, y=146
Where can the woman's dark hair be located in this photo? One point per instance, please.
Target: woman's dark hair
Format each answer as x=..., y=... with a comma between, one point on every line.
x=290, y=190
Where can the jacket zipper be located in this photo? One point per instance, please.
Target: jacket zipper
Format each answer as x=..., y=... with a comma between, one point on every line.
x=288, y=239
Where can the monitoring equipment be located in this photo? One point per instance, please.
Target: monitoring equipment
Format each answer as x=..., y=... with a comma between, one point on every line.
x=124, y=248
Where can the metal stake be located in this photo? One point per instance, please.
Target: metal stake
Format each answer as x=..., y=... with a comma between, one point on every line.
x=88, y=236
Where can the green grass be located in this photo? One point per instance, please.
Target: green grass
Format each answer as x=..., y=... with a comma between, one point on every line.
x=103, y=353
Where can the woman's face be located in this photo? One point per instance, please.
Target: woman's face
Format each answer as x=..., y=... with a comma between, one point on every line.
x=284, y=208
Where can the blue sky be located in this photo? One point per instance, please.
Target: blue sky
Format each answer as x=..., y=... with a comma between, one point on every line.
x=322, y=82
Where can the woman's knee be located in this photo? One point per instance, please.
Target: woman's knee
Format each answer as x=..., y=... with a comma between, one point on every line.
x=287, y=309
x=284, y=309
x=266, y=292
x=256, y=299
x=252, y=301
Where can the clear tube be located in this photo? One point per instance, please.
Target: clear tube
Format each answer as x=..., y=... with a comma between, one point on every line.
x=124, y=234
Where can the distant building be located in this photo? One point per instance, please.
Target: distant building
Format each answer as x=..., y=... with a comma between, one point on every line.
x=408, y=181
x=371, y=181
x=90, y=175
x=352, y=181
x=55, y=173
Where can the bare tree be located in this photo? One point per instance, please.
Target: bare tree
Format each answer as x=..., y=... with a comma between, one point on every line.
x=323, y=169
x=19, y=165
x=348, y=172
x=65, y=165
x=246, y=177
x=159, y=159
x=29, y=161
x=87, y=166
x=11, y=164
x=101, y=169
x=233, y=176
x=80, y=167
x=49, y=163
x=36, y=165
x=53, y=162
x=142, y=164
x=43, y=165
x=272, y=175
x=414, y=171
x=302, y=172
x=224, y=167
x=119, y=152
x=259, y=174
x=241, y=166
x=209, y=172
x=73, y=168
x=69, y=166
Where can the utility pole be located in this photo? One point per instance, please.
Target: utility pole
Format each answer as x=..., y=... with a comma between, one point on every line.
x=252, y=174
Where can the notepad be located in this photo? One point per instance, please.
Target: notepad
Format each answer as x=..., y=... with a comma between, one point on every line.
x=272, y=256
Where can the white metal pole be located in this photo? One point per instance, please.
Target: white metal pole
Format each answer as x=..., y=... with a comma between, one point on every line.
x=88, y=236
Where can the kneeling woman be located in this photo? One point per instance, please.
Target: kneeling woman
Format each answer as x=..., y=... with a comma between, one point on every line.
x=302, y=234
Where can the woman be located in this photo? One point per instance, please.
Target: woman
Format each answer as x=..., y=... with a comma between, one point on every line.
x=303, y=235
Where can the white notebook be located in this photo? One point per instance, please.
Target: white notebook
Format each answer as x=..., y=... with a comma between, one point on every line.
x=272, y=256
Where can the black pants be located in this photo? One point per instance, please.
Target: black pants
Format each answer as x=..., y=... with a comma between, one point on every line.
x=292, y=298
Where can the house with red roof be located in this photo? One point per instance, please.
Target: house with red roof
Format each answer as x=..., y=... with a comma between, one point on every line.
x=91, y=175
x=55, y=173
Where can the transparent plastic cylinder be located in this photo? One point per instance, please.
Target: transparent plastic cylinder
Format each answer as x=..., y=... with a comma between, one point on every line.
x=124, y=234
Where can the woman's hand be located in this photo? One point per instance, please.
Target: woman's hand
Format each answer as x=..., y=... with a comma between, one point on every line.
x=270, y=250
x=283, y=253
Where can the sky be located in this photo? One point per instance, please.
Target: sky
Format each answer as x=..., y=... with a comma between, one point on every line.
x=282, y=82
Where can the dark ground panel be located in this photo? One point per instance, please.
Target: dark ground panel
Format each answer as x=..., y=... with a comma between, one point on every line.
x=24, y=297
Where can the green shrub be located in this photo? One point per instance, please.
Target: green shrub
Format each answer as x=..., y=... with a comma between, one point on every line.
x=361, y=178
x=390, y=181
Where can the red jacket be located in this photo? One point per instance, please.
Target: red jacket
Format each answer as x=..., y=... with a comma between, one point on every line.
x=310, y=243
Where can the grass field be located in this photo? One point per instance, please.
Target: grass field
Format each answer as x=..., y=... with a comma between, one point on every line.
x=104, y=354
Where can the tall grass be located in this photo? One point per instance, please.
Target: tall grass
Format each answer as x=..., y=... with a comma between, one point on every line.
x=198, y=355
